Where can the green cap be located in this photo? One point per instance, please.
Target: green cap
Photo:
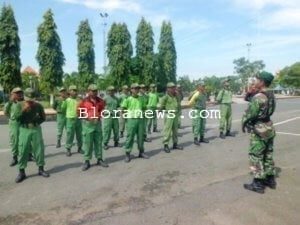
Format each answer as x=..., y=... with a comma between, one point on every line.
x=171, y=84
x=16, y=89
x=142, y=85
x=125, y=87
x=29, y=94
x=152, y=85
x=72, y=87
x=135, y=85
x=110, y=88
x=93, y=87
x=265, y=76
x=61, y=89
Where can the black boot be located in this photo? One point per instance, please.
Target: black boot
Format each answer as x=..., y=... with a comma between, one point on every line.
x=143, y=155
x=256, y=186
x=155, y=130
x=147, y=140
x=58, y=144
x=86, y=165
x=106, y=147
x=30, y=157
x=14, y=161
x=222, y=136
x=68, y=152
x=196, y=142
x=42, y=172
x=100, y=162
x=121, y=134
x=178, y=147
x=167, y=149
x=203, y=140
x=127, y=157
x=79, y=150
x=117, y=145
x=21, y=176
x=270, y=181
x=229, y=134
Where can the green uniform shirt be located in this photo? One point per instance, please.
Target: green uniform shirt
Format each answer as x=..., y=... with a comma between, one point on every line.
x=153, y=100
x=70, y=105
x=169, y=102
x=134, y=106
x=198, y=100
x=35, y=114
x=10, y=109
x=224, y=97
x=122, y=97
x=144, y=98
x=111, y=103
x=57, y=105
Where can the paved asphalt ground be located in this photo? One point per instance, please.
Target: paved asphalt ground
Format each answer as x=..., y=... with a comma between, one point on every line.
x=200, y=185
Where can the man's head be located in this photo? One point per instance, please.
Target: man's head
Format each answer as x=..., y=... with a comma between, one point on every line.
x=110, y=90
x=125, y=89
x=73, y=91
x=93, y=90
x=17, y=94
x=29, y=94
x=171, y=88
x=142, y=89
x=264, y=80
x=201, y=87
x=152, y=87
x=63, y=92
x=226, y=85
x=135, y=88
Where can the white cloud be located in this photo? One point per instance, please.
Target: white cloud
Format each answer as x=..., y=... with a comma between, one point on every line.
x=260, y=4
x=126, y=5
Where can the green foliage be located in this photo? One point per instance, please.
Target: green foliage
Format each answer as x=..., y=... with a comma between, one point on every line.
x=86, y=54
x=186, y=84
x=167, y=56
x=144, y=53
x=290, y=76
x=49, y=55
x=10, y=63
x=119, y=52
x=31, y=80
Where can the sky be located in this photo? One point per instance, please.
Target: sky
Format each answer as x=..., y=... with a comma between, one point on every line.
x=208, y=35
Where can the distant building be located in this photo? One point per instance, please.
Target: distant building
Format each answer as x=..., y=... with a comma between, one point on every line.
x=30, y=71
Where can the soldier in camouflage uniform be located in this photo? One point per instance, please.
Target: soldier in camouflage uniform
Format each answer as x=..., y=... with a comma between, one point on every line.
x=257, y=121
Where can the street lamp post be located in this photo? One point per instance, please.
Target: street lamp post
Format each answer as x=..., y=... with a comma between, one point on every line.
x=104, y=24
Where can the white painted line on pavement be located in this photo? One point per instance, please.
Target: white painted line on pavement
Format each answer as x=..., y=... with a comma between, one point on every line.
x=286, y=121
x=287, y=133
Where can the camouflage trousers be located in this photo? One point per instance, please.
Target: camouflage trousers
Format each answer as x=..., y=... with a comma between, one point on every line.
x=261, y=156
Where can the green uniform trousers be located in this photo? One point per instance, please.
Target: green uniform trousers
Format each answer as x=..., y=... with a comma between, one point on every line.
x=122, y=123
x=92, y=139
x=261, y=156
x=145, y=121
x=14, y=127
x=31, y=139
x=152, y=121
x=61, y=124
x=74, y=126
x=199, y=123
x=170, y=130
x=110, y=124
x=179, y=119
x=226, y=117
x=135, y=127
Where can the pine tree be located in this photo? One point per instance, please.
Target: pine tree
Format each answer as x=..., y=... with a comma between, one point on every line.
x=119, y=52
x=49, y=56
x=167, y=56
x=10, y=63
x=86, y=54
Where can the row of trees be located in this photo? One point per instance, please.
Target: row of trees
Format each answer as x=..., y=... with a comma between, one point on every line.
x=146, y=66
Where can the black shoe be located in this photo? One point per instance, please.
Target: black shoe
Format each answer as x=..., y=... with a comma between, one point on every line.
x=270, y=181
x=143, y=155
x=196, y=142
x=256, y=186
x=222, y=136
x=167, y=149
x=127, y=157
x=42, y=172
x=100, y=162
x=30, y=157
x=117, y=145
x=229, y=134
x=121, y=134
x=79, y=150
x=155, y=130
x=58, y=144
x=178, y=147
x=203, y=140
x=147, y=140
x=86, y=165
x=14, y=161
x=106, y=147
x=68, y=153
x=21, y=176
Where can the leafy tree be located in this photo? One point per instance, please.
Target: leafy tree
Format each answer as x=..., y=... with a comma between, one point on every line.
x=167, y=56
x=185, y=83
x=31, y=80
x=290, y=76
x=49, y=56
x=119, y=52
x=10, y=63
x=144, y=52
x=86, y=54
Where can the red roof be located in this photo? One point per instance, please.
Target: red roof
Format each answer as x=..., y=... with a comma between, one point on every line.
x=30, y=70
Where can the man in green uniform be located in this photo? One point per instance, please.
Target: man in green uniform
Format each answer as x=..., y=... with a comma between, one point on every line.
x=73, y=123
x=198, y=104
x=14, y=125
x=90, y=111
x=133, y=106
x=111, y=122
x=169, y=103
x=152, y=105
x=144, y=97
x=30, y=115
x=180, y=96
x=225, y=99
x=122, y=97
x=257, y=120
x=60, y=115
